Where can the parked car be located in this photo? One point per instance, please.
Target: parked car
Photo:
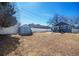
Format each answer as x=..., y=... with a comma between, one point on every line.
x=25, y=30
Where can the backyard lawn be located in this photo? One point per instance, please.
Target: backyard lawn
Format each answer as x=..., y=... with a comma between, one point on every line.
x=41, y=44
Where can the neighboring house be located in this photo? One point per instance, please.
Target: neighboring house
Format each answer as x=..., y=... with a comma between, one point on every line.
x=62, y=27
x=38, y=26
x=75, y=29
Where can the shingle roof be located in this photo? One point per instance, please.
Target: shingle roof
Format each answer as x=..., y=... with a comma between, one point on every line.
x=61, y=23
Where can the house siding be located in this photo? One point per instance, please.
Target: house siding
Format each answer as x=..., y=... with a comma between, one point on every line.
x=75, y=30
x=62, y=28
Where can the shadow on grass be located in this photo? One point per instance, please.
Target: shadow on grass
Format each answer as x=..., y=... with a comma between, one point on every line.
x=8, y=44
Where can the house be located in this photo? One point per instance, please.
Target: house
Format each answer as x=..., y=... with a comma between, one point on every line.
x=62, y=27
x=75, y=28
x=38, y=26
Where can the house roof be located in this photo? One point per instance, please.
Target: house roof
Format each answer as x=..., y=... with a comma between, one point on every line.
x=61, y=23
x=76, y=26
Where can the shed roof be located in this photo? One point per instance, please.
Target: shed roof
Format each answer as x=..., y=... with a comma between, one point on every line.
x=61, y=23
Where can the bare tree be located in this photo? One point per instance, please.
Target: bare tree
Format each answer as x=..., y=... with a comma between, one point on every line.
x=54, y=20
x=57, y=18
x=64, y=19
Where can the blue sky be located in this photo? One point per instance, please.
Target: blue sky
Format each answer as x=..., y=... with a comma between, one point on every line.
x=41, y=12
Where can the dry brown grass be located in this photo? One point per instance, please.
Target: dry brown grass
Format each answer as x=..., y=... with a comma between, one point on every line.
x=47, y=44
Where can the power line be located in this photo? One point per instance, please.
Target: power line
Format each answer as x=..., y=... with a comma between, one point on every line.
x=34, y=14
